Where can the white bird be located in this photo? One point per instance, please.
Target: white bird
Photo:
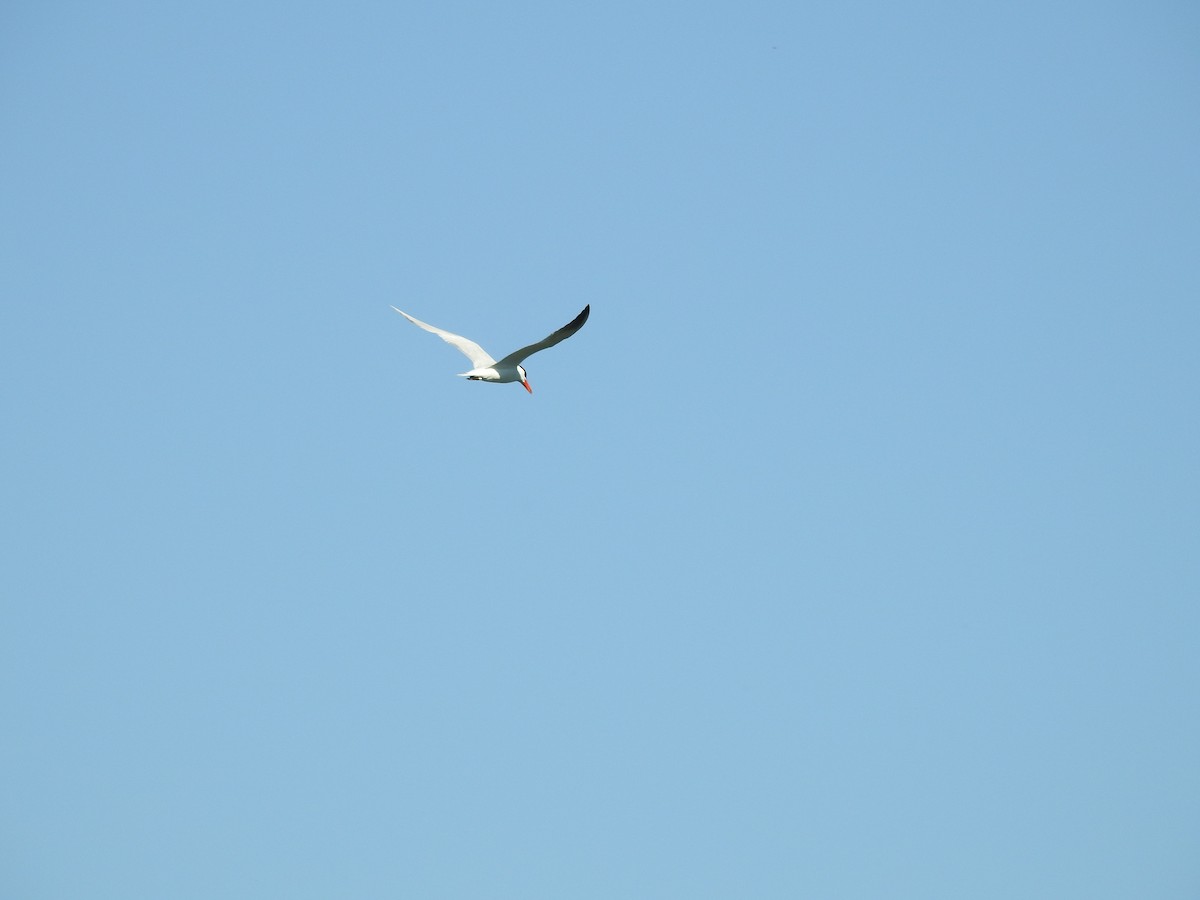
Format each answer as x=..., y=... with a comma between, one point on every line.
x=509, y=368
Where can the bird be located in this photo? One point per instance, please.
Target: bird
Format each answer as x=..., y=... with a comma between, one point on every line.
x=509, y=368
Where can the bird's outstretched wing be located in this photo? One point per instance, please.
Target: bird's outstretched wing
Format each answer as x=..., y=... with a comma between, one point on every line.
x=517, y=356
x=477, y=355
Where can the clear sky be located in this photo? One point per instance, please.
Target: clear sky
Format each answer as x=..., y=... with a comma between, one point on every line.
x=851, y=549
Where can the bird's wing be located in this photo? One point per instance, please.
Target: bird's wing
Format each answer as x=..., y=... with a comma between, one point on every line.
x=476, y=354
x=517, y=356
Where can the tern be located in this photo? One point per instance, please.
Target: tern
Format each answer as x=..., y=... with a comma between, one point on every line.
x=509, y=368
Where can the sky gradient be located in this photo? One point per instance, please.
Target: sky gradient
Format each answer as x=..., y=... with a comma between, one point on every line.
x=848, y=551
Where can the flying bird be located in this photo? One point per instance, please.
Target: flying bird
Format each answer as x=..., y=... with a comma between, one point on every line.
x=508, y=369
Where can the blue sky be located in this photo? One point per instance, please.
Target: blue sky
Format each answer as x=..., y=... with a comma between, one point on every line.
x=850, y=549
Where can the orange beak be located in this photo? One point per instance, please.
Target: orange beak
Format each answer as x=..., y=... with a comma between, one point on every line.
x=527, y=387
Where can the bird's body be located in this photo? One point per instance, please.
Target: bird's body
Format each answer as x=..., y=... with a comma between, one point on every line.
x=501, y=375
x=509, y=368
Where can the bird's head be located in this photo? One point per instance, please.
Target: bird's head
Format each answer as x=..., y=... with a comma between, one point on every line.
x=524, y=378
